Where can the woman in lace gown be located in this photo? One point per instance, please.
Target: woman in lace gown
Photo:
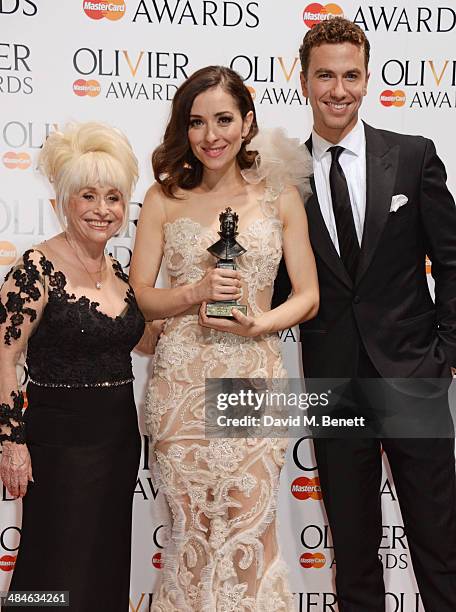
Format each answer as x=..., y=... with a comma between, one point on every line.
x=222, y=553
x=69, y=307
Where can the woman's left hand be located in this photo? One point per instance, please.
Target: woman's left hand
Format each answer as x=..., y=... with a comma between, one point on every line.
x=241, y=325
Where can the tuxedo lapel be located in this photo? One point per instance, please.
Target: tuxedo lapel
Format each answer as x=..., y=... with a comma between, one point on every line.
x=319, y=235
x=381, y=168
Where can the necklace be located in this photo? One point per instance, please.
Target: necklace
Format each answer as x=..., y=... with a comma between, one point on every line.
x=97, y=283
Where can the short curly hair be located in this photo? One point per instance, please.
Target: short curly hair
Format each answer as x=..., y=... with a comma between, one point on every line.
x=84, y=154
x=330, y=32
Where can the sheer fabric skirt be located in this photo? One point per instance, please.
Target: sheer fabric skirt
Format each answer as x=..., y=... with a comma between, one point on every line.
x=222, y=553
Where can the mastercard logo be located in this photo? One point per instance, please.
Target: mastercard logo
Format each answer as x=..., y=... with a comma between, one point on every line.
x=13, y=160
x=7, y=563
x=81, y=87
x=252, y=91
x=306, y=488
x=312, y=560
x=392, y=98
x=157, y=560
x=8, y=253
x=113, y=10
x=315, y=12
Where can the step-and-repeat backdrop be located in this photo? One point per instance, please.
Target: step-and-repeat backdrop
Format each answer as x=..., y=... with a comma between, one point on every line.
x=120, y=61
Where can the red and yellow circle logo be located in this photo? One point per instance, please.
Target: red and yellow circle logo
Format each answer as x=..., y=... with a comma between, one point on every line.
x=91, y=88
x=112, y=10
x=388, y=97
x=312, y=560
x=7, y=563
x=316, y=12
x=12, y=160
x=157, y=560
x=306, y=488
x=8, y=253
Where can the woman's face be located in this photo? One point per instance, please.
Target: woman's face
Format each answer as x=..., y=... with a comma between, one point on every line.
x=96, y=213
x=216, y=128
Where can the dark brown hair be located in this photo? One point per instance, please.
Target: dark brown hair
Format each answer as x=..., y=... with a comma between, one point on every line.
x=174, y=163
x=330, y=32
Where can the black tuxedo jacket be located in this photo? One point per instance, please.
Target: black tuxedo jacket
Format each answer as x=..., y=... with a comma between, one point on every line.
x=388, y=307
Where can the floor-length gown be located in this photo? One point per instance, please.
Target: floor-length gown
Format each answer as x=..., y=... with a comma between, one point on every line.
x=82, y=434
x=222, y=553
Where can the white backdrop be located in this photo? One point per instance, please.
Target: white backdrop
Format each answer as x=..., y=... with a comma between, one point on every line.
x=120, y=62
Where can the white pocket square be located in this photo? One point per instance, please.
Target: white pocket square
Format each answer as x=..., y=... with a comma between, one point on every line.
x=397, y=201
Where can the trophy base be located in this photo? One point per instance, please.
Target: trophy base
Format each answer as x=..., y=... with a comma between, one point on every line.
x=222, y=309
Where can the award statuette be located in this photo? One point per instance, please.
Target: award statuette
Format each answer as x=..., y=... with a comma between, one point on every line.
x=226, y=250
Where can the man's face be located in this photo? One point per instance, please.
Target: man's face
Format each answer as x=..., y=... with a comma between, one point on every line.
x=335, y=84
x=229, y=226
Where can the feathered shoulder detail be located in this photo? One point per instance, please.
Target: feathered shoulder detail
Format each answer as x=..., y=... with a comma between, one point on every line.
x=281, y=162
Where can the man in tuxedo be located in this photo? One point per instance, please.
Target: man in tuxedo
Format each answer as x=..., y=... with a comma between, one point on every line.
x=380, y=205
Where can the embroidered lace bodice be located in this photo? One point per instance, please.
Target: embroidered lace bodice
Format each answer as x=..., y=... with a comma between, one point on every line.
x=222, y=555
x=178, y=352
x=186, y=257
x=75, y=344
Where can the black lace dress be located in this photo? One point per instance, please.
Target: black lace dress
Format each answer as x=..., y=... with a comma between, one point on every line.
x=82, y=433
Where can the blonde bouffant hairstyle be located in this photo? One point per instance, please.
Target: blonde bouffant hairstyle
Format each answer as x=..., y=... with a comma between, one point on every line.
x=84, y=155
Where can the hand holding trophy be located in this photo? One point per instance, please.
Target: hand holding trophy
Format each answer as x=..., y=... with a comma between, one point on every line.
x=226, y=250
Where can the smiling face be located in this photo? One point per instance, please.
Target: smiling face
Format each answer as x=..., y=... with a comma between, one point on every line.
x=335, y=84
x=95, y=213
x=216, y=129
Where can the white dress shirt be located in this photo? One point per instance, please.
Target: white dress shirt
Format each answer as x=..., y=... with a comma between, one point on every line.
x=353, y=162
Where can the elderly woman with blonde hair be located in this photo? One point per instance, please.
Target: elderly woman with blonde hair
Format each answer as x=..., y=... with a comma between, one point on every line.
x=73, y=457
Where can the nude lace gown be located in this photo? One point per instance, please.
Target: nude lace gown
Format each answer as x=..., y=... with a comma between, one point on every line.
x=222, y=554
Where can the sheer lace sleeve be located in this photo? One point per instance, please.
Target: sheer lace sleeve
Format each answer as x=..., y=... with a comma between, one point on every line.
x=22, y=300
